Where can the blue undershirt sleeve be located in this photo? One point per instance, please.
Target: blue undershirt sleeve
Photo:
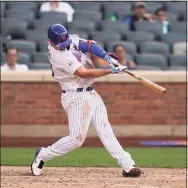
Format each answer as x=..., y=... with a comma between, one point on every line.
x=86, y=46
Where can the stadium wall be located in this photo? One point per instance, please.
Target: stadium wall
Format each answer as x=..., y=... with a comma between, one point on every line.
x=31, y=109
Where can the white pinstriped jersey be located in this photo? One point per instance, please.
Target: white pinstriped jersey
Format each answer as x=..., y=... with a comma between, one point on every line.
x=66, y=62
x=82, y=108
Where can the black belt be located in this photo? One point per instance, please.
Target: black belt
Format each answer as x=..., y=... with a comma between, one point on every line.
x=82, y=89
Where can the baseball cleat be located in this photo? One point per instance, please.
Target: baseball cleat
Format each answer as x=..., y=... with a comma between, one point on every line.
x=37, y=164
x=134, y=172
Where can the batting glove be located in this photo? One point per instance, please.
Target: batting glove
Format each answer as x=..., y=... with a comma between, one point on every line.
x=119, y=69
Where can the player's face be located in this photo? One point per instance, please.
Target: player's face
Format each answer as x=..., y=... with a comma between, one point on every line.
x=120, y=52
x=12, y=56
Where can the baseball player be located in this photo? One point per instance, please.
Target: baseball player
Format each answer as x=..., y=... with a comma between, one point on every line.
x=75, y=72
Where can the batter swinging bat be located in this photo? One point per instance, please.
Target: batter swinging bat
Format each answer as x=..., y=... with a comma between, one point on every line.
x=148, y=83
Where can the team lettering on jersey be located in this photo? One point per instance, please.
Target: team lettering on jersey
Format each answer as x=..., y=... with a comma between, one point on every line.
x=64, y=64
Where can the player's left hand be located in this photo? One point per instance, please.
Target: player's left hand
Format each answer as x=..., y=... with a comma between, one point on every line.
x=119, y=69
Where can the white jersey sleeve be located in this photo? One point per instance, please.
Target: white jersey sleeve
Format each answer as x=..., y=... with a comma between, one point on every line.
x=67, y=64
x=75, y=40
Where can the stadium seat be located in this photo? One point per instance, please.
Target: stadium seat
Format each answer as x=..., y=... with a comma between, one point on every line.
x=20, y=9
x=13, y=27
x=153, y=27
x=11, y=21
x=179, y=48
x=117, y=6
x=151, y=7
x=117, y=10
x=81, y=34
x=4, y=40
x=177, y=60
x=22, y=15
x=119, y=26
x=2, y=9
x=22, y=45
x=41, y=66
x=122, y=14
x=44, y=23
x=129, y=57
x=172, y=17
x=152, y=60
x=87, y=6
x=139, y=36
x=82, y=25
x=88, y=15
x=172, y=37
x=184, y=16
x=23, y=5
x=178, y=27
x=22, y=58
x=129, y=46
x=40, y=57
x=114, y=7
x=154, y=47
x=54, y=15
x=106, y=36
x=37, y=35
x=176, y=7
x=146, y=67
x=43, y=46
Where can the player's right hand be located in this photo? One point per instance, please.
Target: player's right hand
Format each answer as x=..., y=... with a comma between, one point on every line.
x=119, y=69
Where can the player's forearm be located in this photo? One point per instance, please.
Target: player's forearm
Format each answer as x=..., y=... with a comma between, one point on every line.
x=95, y=73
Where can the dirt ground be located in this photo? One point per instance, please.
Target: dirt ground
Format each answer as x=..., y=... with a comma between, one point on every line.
x=20, y=177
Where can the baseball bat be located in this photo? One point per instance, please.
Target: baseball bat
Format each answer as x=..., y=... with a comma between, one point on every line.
x=155, y=87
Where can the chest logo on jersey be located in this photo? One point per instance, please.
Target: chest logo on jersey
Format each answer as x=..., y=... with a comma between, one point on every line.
x=78, y=56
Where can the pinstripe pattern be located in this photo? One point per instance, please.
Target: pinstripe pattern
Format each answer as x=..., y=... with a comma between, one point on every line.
x=64, y=64
x=83, y=109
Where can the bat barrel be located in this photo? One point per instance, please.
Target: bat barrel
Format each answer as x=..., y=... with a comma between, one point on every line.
x=155, y=87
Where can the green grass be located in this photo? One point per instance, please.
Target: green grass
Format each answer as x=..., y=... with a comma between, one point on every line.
x=98, y=157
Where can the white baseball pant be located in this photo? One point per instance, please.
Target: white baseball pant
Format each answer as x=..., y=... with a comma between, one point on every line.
x=85, y=108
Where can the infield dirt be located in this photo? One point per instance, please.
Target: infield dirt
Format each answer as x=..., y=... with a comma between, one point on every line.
x=20, y=177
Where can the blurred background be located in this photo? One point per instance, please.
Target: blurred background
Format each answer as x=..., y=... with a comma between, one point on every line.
x=151, y=35
x=148, y=37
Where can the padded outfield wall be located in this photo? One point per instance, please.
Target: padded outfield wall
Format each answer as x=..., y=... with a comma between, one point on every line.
x=32, y=115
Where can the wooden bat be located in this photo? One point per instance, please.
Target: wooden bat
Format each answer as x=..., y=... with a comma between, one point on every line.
x=99, y=62
x=155, y=87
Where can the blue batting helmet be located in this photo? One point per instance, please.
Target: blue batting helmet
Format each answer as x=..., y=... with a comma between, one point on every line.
x=59, y=35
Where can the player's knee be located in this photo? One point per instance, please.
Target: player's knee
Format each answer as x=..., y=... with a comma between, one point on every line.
x=78, y=140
